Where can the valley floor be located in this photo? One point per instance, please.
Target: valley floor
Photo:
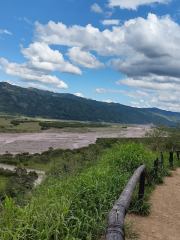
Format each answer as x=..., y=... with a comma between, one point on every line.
x=59, y=138
x=164, y=220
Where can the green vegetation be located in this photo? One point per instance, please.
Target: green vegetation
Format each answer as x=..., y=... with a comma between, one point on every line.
x=37, y=103
x=164, y=138
x=79, y=191
x=21, y=124
x=17, y=182
x=47, y=125
x=11, y=124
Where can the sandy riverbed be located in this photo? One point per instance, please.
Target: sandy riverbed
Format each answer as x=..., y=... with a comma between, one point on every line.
x=39, y=142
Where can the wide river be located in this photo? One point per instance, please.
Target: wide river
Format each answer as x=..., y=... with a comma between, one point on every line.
x=39, y=142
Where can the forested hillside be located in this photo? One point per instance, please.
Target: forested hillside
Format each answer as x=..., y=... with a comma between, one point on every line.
x=37, y=103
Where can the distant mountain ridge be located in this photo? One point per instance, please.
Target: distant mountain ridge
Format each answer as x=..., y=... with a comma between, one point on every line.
x=32, y=102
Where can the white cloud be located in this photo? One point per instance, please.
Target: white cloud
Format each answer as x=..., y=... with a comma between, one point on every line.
x=141, y=100
x=104, y=90
x=25, y=72
x=106, y=43
x=42, y=61
x=79, y=95
x=135, y=94
x=38, y=86
x=43, y=57
x=96, y=8
x=150, y=84
x=28, y=21
x=111, y=22
x=134, y=4
x=84, y=59
x=132, y=94
x=147, y=105
x=135, y=104
x=109, y=101
x=108, y=14
x=5, y=31
x=154, y=100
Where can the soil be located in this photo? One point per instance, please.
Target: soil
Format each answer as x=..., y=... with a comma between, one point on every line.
x=39, y=142
x=164, y=219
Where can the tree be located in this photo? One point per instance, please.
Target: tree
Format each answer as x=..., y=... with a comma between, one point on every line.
x=164, y=138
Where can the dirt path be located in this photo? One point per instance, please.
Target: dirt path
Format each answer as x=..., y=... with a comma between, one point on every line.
x=164, y=220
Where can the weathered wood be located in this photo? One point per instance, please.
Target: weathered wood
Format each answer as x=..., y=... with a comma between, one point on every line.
x=147, y=177
x=171, y=159
x=177, y=155
x=115, y=228
x=156, y=163
x=162, y=159
x=141, y=186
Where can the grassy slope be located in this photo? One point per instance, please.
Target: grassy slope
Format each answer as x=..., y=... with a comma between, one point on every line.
x=77, y=207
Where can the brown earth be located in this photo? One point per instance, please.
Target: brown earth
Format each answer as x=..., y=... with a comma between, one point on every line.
x=164, y=219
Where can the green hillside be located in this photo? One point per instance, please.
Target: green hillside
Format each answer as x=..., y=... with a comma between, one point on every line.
x=31, y=102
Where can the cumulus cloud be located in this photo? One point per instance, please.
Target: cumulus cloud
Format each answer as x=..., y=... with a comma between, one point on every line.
x=106, y=43
x=111, y=22
x=108, y=101
x=42, y=61
x=134, y=4
x=43, y=57
x=84, y=59
x=79, y=95
x=26, y=72
x=96, y=8
x=135, y=104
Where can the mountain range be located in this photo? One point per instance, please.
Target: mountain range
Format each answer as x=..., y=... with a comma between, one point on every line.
x=31, y=102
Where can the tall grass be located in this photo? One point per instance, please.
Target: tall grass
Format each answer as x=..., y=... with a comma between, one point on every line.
x=76, y=207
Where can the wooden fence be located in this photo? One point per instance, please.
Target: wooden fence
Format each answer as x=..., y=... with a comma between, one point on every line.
x=115, y=227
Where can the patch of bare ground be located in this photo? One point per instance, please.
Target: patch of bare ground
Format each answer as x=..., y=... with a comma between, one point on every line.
x=164, y=219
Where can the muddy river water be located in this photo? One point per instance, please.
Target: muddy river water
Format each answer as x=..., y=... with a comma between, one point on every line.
x=39, y=142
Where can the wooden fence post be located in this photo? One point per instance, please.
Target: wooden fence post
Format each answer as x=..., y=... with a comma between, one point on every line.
x=177, y=155
x=162, y=160
x=171, y=159
x=156, y=165
x=141, y=186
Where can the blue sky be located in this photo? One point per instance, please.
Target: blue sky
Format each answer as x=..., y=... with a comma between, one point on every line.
x=124, y=51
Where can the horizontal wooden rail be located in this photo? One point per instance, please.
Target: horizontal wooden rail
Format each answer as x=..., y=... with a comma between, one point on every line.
x=115, y=228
